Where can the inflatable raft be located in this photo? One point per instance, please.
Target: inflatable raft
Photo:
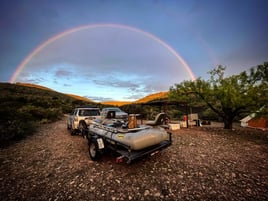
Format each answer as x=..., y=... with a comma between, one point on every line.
x=137, y=138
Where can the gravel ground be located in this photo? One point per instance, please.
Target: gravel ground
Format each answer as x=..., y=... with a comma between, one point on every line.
x=204, y=163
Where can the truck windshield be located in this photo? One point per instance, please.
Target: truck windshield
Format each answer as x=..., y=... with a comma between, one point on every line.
x=89, y=113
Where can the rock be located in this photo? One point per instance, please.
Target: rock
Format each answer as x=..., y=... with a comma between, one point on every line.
x=118, y=181
x=146, y=193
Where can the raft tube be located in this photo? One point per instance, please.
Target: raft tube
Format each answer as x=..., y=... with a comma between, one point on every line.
x=137, y=138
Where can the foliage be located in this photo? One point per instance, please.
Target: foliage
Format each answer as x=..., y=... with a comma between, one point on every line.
x=24, y=106
x=230, y=96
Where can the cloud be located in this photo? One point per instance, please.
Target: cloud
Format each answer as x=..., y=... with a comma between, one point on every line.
x=114, y=82
x=67, y=85
x=63, y=73
x=28, y=77
x=99, y=98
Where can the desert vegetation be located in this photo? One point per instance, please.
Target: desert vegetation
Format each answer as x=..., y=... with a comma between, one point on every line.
x=24, y=107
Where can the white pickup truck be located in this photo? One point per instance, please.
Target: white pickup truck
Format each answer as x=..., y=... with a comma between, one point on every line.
x=81, y=117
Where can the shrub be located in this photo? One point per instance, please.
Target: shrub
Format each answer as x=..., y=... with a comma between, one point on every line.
x=23, y=108
x=16, y=129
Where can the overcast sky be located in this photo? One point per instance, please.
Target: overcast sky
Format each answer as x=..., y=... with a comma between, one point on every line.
x=125, y=50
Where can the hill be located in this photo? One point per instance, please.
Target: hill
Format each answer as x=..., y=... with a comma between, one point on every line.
x=24, y=106
x=160, y=95
x=34, y=86
x=48, y=89
x=116, y=103
x=151, y=97
x=80, y=98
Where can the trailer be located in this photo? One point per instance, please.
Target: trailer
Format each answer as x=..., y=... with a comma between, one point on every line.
x=103, y=138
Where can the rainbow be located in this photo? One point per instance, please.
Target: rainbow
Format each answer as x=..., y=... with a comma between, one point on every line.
x=92, y=26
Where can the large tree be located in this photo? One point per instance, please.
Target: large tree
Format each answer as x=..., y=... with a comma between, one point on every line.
x=229, y=96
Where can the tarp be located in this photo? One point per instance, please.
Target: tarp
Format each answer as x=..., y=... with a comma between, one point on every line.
x=258, y=122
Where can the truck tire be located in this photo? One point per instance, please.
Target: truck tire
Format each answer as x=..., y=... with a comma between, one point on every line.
x=93, y=149
x=68, y=127
x=72, y=131
x=82, y=127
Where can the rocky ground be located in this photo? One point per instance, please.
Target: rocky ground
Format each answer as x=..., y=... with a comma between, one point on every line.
x=204, y=163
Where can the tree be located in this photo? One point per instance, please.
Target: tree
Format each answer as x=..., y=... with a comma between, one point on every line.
x=230, y=96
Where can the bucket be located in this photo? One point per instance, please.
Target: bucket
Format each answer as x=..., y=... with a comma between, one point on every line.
x=132, y=121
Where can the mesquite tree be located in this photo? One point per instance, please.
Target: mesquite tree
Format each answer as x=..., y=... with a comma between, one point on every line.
x=229, y=96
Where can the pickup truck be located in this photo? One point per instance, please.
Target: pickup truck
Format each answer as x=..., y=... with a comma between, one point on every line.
x=81, y=117
x=119, y=114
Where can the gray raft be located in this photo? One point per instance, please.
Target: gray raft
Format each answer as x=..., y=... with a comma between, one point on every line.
x=137, y=138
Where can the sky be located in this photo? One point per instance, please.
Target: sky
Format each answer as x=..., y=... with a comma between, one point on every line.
x=126, y=49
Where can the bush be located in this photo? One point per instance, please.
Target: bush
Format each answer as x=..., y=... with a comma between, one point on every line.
x=16, y=129
x=23, y=108
x=42, y=114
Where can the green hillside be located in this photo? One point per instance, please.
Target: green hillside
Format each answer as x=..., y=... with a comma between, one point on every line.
x=24, y=107
x=151, y=97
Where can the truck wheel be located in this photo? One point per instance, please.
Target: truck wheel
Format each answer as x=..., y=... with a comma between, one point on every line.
x=93, y=150
x=72, y=131
x=82, y=127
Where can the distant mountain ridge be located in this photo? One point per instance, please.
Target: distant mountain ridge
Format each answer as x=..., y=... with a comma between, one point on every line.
x=48, y=89
x=116, y=103
x=151, y=97
x=33, y=85
x=148, y=98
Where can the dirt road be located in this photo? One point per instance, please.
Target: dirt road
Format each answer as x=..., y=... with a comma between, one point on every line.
x=202, y=164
